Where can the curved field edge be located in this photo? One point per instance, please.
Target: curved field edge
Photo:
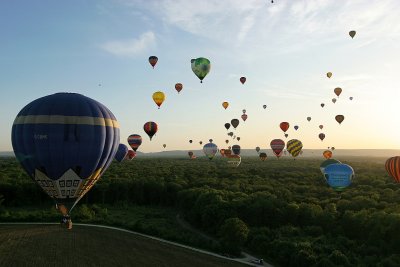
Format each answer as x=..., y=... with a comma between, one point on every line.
x=94, y=245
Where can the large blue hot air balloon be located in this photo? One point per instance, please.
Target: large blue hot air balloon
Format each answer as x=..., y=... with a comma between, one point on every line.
x=210, y=150
x=236, y=149
x=65, y=142
x=338, y=175
x=121, y=152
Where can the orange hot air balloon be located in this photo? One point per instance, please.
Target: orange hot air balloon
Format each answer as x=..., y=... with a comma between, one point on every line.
x=159, y=98
x=337, y=91
x=225, y=104
x=284, y=126
x=153, y=61
x=178, y=87
x=329, y=74
x=392, y=166
x=327, y=154
x=242, y=80
x=339, y=118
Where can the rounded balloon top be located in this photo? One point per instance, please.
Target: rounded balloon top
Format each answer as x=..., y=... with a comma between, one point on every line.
x=284, y=126
x=210, y=150
x=329, y=74
x=150, y=128
x=225, y=104
x=178, y=87
x=242, y=80
x=65, y=137
x=339, y=175
x=339, y=118
x=201, y=67
x=235, y=123
x=153, y=60
x=352, y=34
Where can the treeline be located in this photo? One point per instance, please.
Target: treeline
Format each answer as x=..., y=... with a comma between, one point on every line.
x=281, y=210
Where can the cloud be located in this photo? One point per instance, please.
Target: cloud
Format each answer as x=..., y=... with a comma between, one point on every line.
x=131, y=47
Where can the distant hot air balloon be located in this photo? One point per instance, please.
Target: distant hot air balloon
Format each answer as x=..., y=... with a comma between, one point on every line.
x=277, y=146
x=294, y=147
x=258, y=149
x=392, y=166
x=227, y=141
x=131, y=154
x=339, y=175
x=337, y=91
x=321, y=126
x=309, y=118
x=321, y=136
x=242, y=80
x=178, y=87
x=284, y=126
x=134, y=141
x=236, y=149
x=227, y=126
x=264, y=106
x=190, y=141
x=230, y=134
x=244, y=111
x=327, y=154
x=222, y=151
x=210, y=150
x=334, y=100
x=201, y=67
x=327, y=162
x=164, y=145
x=333, y=148
x=225, y=104
x=329, y=74
x=153, y=61
x=238, y=138
x=150, y=128
x=352, y=34
x=322, y=105
x=159, y=98
x=121, y=152
x=235, y=123
x=263, y=156
x=351, y=98
x=190, y=153
x=339, y=118
x=201, y=142
x=296, y=127
x=210, y=140
x=286, y=135
x=65, y=142
x=244, y=117
x=227, y=152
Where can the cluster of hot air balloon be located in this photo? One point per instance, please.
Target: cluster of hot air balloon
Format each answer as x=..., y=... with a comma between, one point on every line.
x=67, y=150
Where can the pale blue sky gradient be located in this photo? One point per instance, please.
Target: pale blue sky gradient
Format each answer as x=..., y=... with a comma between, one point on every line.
x=284, y=49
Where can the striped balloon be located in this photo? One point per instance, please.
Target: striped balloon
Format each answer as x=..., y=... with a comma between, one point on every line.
x=392, y=166
x=150, y=128
x=277, y=145
x=294, y=147
x=134, y=140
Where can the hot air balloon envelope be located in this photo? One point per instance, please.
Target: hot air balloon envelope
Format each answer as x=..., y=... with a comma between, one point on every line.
x=201, y=67
x=339, y=175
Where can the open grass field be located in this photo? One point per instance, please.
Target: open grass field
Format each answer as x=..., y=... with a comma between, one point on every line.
x=51, y=245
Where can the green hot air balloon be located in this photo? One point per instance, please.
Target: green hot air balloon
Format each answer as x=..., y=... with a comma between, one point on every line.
x=201, y=67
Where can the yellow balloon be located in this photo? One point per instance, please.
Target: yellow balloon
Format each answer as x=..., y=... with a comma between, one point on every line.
x=158, y=98
x=225, y=105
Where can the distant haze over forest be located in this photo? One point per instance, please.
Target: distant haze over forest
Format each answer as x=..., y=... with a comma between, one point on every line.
x=252, y=152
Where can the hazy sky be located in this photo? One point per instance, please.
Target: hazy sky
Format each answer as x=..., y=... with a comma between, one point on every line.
x=284, y=49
